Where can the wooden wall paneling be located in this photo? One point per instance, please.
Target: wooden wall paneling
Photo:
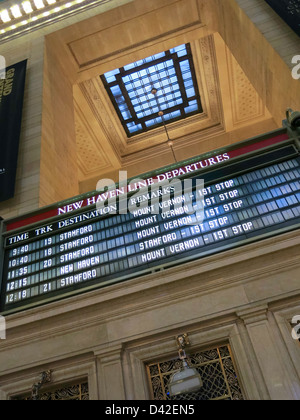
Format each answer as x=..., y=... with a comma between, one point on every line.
x=59, y=173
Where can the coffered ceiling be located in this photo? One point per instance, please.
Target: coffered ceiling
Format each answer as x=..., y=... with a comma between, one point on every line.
x=132, y=32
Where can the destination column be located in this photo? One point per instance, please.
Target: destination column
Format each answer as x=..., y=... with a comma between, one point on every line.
x=81, y=259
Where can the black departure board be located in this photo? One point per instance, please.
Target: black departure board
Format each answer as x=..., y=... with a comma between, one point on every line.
x=289, y=11
x=85, y=251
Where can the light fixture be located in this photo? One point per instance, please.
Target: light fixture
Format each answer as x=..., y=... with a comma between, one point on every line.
x=161, y=115
x=5, y=16
x=25, y=15
x=187, y=379
x=46, y=377
x=293, y=118
x=27, y=7
x=39, y=4
x=15, y=10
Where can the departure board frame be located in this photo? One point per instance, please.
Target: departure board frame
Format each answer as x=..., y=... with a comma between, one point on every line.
x=249, y=195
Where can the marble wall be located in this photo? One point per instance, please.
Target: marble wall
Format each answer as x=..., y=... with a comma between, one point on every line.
x=246, y=297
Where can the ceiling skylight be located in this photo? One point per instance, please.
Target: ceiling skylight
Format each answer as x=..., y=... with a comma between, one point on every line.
x=170, y=74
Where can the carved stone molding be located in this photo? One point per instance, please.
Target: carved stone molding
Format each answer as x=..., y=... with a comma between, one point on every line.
x=246, y=102
x=254, y=314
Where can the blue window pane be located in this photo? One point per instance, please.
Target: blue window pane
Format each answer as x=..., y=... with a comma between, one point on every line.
x=123, y=107
x=155, y=121
x=185, y=67
x=154, y=78
x=190, y=92
x=133, y=127
x=110, y=76
x=111, y=79
x=137, y=84
x=172, y=115
x=126, y=115
x=181, y=50
x=154, y=57
x=129, y=66
x=160, y=55
x=188, y=83
x=193, y=107
x=187, y=76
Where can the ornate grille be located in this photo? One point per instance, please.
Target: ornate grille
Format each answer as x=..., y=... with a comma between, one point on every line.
x=79, y=392
x=216, y=367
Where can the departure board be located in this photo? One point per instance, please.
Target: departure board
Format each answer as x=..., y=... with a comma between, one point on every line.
x=85, y=250
x=289, y=11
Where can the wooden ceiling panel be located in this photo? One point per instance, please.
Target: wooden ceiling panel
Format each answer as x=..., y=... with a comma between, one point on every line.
x=230, y=97
x=176, y=16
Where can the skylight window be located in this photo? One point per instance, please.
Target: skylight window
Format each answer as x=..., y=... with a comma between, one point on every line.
x=171, y=74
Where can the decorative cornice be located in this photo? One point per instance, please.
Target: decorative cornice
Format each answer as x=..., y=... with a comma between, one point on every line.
x=254, y=314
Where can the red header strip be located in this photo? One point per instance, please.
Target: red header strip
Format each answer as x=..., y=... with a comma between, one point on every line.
x=232, y=154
